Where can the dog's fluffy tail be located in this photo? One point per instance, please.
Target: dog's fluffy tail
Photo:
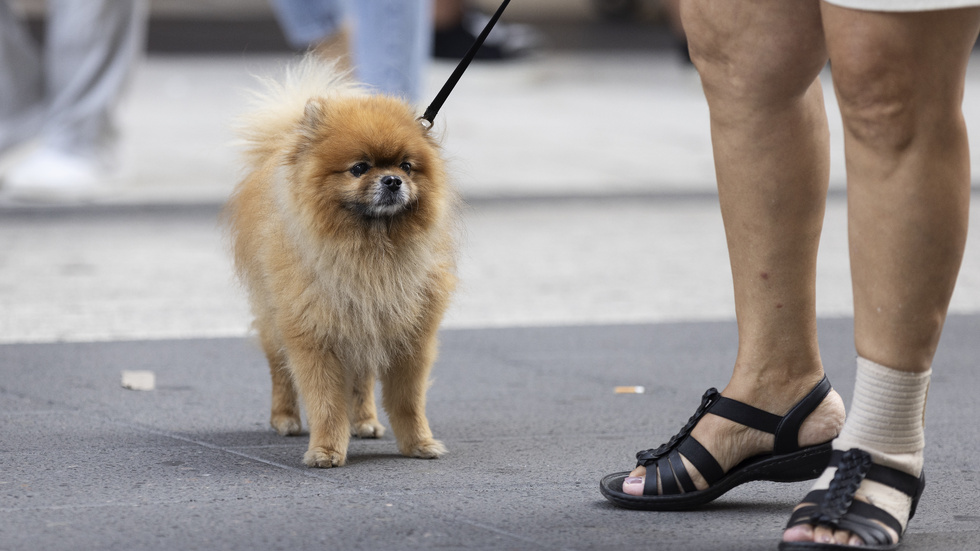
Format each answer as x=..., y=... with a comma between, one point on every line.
x=277, y=106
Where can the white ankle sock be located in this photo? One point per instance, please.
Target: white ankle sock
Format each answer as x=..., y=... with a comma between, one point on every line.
x=886, y=419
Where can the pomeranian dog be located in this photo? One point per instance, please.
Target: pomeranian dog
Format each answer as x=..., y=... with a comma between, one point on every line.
x=343, y=233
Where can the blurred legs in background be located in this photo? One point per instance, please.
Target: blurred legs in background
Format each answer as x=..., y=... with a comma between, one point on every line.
x=63, y=95
x=386, y=41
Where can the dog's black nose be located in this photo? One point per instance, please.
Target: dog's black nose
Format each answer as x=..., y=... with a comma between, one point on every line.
x=391, y=182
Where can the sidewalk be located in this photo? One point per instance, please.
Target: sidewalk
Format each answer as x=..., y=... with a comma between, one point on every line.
x=529, y=416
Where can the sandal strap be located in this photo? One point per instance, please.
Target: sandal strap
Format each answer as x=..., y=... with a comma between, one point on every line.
x=702, y=460
x=681, y=472
x=672, y=471
x=668, y=481
x=786, y=429
x=836, y=507
x=787, y=433
x=851, y=470
x=901, y=481
x=673, y=474
x=747, y=415
x=859, y=520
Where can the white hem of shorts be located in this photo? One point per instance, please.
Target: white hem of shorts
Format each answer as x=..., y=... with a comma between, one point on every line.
x=904, y=5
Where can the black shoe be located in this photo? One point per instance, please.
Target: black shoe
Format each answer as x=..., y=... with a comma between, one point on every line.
x=506, y=40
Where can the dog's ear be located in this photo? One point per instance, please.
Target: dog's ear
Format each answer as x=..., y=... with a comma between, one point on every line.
x=310, y=128
x=313, y=118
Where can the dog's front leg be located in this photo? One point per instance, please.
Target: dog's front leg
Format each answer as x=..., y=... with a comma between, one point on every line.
x=404, y=386
x=323, y=384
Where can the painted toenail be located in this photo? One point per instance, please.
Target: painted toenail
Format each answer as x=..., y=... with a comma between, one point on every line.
x=633, y=480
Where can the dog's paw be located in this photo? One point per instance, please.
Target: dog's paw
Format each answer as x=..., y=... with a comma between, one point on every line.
x=324, y=458
x=426, y=449
x=370, y=428
x=286, y=425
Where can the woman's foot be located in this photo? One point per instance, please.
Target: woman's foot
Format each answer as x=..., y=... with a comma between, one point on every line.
x=730, y=443
x=855, y=505
x=886, y=425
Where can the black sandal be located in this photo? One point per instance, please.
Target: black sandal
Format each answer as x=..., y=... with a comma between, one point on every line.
x=788, y=462
x=836, y=507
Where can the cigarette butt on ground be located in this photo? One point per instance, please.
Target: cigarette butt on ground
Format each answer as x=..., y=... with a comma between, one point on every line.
x=139, y=380
x=629, y=390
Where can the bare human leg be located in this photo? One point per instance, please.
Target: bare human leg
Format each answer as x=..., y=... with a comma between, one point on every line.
x=899, y=80
x=759, y=61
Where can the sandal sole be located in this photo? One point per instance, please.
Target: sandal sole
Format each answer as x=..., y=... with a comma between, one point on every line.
x=813, y=546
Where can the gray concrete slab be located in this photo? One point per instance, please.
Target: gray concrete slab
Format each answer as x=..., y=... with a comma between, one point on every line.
x=529, y=416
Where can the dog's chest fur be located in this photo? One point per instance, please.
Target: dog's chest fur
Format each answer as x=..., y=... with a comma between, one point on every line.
x=366, y=308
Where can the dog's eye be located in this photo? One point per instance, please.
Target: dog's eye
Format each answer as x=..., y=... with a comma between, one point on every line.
x=407, y=167
x=359, y=169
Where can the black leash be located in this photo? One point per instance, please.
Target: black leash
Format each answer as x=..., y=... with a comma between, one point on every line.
x=430, y=113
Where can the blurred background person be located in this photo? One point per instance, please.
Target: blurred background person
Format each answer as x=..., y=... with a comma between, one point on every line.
x=386, y=42
x=61, y=97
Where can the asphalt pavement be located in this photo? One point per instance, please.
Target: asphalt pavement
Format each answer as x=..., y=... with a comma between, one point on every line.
x=593, y=257
x=529, y=415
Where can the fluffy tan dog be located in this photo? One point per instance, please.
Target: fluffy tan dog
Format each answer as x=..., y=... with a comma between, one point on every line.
x=343, y=235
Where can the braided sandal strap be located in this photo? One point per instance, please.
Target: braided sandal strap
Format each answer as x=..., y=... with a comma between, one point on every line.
x=645, y=458
x=836, y=508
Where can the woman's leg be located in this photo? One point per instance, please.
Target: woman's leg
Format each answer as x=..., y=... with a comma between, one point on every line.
x=759, y=62
x=899, y=81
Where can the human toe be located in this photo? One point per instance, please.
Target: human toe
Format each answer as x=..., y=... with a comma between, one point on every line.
x=842, y=537
x=633, y=485
x=800, y=532
x=822, y=534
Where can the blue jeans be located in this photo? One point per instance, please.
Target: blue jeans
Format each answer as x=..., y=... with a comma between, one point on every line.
x=392, y=39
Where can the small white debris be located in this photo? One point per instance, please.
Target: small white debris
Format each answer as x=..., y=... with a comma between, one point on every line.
x=629, y=390
x=139, y=380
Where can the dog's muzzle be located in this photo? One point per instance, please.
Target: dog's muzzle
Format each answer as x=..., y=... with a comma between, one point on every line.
x=390, y=196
